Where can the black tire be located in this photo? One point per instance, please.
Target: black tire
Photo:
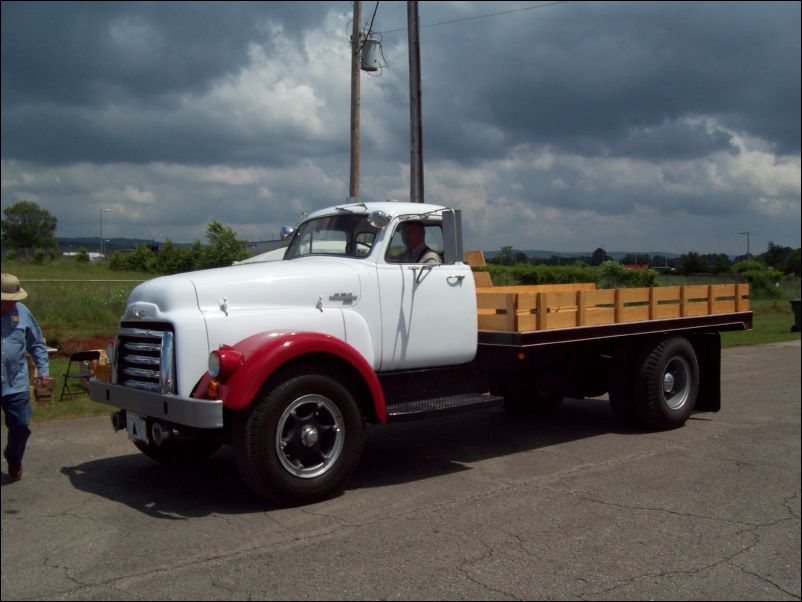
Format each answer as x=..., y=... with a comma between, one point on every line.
x=667, y=383
x=302, y=441
x=180, y=451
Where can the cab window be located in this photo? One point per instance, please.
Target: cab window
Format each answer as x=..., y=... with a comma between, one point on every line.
x=348, y=235
x=397, y=250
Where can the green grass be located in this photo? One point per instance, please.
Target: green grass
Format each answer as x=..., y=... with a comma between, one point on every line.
x=72, y=407
x=772, y=324
x=71, y=312
x=73, y=300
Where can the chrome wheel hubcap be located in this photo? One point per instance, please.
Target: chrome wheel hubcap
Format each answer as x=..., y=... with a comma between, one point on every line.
x=310, y=436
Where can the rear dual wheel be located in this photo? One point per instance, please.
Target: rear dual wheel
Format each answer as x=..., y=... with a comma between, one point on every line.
x=658, y=390
x=667, y=384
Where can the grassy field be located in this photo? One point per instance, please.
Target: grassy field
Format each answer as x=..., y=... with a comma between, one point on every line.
x=72, y=407
x=74, y=301
x=78, y=303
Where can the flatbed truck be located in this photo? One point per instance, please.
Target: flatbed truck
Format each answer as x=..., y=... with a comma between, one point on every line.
x=286, y=361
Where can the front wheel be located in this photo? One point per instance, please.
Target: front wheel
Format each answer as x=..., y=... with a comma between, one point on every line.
x=667, y=384
x=301, y=442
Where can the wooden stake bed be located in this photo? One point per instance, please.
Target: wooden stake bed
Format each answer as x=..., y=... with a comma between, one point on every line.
x=554, y=306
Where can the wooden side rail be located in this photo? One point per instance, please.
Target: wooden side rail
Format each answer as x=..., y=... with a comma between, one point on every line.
x=475, y=258
x=542, y=307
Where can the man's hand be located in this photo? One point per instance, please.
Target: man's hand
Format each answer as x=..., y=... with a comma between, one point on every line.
x=43, y=382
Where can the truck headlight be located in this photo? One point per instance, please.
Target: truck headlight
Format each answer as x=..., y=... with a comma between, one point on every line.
x=224, y=362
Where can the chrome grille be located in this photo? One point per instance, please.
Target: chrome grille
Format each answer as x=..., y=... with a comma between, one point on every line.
x=144, y=360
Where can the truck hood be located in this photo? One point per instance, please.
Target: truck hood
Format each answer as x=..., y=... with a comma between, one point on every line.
x=302, y=282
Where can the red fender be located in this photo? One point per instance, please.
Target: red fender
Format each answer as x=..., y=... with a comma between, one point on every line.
x=264, y=353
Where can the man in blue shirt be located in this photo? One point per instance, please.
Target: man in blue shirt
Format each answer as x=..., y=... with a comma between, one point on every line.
x=21, y=333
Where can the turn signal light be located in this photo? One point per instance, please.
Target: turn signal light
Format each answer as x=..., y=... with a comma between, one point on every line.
x=224, y=362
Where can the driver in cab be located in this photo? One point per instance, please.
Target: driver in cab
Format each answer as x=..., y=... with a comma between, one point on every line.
x=414, y=236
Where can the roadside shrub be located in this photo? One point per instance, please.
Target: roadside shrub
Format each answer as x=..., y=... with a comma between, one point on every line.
x=609, y=274
x=140, y=259
x=764, y=283
x=540, y=274
x=82, y=256
x=174, y=260
x=614, y=275
x=749, y=265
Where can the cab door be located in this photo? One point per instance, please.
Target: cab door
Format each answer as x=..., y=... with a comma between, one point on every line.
x=428, y=311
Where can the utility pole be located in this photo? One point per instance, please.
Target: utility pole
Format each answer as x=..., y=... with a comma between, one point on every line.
x=416, y=129
x=356, y=45
x=747, y=243
x=102, y=211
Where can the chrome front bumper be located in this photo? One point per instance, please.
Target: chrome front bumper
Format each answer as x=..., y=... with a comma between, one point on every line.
x=187, y=411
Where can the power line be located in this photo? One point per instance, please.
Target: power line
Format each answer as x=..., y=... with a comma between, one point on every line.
x=504, y=12
x=370, y=27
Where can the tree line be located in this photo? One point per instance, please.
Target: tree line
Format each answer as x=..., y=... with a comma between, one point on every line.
x=27, y=226
x=784, y=260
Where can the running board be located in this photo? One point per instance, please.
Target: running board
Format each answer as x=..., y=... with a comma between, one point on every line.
x=439, y=406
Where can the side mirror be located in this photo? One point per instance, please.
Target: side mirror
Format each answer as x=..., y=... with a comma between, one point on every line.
x=378, y=219
x=452, y=236
x=286, y=232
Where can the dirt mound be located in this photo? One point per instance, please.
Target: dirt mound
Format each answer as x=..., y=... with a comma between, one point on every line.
x=69, y=346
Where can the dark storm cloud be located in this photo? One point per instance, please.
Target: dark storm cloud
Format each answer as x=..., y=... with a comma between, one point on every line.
x=52, y=134
x=596, y=78
x=668, y=123
x=90, y=53
x=64, y=64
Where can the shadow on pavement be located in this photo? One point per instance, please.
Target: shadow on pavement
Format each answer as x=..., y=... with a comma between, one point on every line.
x=393, y=454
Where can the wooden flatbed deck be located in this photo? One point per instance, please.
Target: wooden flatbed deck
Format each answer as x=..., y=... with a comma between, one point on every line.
x=556, y=306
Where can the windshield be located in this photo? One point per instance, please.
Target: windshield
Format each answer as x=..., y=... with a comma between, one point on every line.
x=346, y=235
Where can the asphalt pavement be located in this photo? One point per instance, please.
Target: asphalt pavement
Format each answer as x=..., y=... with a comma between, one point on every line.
x=483, y=506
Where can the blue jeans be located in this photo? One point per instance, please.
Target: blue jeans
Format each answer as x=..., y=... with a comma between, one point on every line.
x=17, y=410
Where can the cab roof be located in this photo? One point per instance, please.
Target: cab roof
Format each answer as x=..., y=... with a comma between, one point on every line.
x=391, y=208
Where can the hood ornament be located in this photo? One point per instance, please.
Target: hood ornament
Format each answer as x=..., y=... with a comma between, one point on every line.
x=135, y=313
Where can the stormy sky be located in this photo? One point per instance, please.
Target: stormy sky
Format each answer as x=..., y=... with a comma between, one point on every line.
x=565, y=126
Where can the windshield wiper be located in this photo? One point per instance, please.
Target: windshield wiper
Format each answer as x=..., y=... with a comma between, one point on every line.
x=347, y=210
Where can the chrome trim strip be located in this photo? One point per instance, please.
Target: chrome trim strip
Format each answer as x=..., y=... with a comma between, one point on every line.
x=141, y=372
x=167, y=369
x=143, y=347
x=142, y=359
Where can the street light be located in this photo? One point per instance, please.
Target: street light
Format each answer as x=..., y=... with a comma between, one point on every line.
x=747, y=242
x=102, y=211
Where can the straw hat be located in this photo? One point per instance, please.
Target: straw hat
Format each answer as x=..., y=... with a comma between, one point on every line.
x=12, y=291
